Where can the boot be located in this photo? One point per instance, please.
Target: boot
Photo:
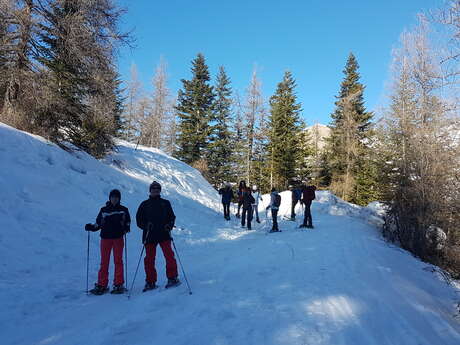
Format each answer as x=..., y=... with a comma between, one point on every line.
x=99, y=289
x=118, y=289
x=172, y=282
x=149, y=286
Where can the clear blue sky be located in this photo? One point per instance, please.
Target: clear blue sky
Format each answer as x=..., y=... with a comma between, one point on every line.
x=311, y=38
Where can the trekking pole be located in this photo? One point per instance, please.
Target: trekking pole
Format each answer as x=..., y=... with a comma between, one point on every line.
x=126, y=260
x=139, y=262
x=182, y=267
x=87, y=266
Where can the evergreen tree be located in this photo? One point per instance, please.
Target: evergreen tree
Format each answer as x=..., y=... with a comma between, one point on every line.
x=194, y=109
x=349, y=152
x=220, y=162
x=284, y=132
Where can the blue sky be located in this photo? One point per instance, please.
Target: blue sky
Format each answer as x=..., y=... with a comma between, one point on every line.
x=311, y=38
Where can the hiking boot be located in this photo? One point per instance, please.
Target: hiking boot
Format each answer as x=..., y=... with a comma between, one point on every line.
x=99, y=289
x=258, y=220
x=149, y=286
x=118, y=289
x=172, y=282
x=303, y=226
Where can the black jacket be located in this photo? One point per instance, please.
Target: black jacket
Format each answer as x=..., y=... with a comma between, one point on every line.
x=227, y=195
x=248, y=200
x=155, y=216
x=114, y=221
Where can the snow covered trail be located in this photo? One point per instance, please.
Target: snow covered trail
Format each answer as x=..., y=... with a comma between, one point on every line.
x=337, y=284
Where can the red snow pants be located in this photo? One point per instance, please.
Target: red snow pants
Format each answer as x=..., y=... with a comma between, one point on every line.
x=149, y=261
x=106, y=247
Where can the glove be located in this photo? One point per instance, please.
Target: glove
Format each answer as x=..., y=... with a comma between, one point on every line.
x=168, y=227
x=127, y=229
x=91, y=227
x=266, y=209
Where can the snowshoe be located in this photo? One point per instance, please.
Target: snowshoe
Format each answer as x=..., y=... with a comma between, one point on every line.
x=303, y=226
x=118, y=289
x=291, y=219
x=258, y=220
x=149, y=286
x=172, y=282
x=99, y=290
x=273, y=230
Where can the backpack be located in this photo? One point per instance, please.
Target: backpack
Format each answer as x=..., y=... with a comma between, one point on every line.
x=277, y=201
x=309, y=193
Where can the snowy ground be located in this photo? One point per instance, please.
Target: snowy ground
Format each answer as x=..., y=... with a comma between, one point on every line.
x=337, y=284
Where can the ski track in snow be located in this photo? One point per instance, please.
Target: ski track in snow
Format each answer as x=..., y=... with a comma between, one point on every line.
x=337, y=284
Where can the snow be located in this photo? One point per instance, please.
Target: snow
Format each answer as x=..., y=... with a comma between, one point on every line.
x=338, y=284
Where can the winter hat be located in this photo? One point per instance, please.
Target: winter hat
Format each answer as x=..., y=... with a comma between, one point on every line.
x=254, y=187
x=115, y=193
x=155, y=185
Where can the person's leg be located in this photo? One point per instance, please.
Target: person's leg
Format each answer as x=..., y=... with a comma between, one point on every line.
x=171, y=265
x=243, y=216
x=249, y=212
x=275, y=219
x=308, y=219
x=227, y=210
x=118, y=245
x=240, y=203
x=256, y=211
x=149, y=263
x=293, y=203
x=103, y=275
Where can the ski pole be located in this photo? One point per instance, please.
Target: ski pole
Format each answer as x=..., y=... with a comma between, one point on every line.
x=87, y=266
x=139, y=262
x=182, y=267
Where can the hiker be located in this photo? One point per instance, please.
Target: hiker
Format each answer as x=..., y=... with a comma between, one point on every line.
x=227, y=196
x=308, y=195
x=248, y=201
x=295, y=198
x=241, y=189
x=114, y=222
x=275, y=202
x=156, y=218
x=255, y=206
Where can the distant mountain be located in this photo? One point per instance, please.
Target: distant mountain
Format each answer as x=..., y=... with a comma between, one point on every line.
x=319, y=133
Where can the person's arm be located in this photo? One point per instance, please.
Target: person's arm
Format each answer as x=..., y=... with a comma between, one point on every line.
x=171, y=217
x=100, y=219
x=127, y=225
x=140, y=217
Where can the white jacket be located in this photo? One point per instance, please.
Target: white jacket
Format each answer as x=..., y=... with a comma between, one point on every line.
x=257, y=197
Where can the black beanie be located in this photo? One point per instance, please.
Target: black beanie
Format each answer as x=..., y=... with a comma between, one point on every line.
x=155, y=184
x=115, y=192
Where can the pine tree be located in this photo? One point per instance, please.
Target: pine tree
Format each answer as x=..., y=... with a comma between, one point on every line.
x=349, y=146
x=194, y=109
x=285, y=130
x=220, y=162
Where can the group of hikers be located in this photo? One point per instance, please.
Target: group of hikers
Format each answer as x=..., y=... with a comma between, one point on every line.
x=156, y=218
x=248, y=201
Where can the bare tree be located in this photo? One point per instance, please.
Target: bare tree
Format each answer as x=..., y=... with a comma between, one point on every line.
x=157, y=126
x=254, y=113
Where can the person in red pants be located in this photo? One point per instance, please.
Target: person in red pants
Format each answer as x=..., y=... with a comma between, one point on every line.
x=156, y=218
x=114, y=222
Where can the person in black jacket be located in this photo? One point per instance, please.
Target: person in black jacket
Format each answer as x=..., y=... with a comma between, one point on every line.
x=156, y=218
x=248, y=200
x=308, y=195
x=227, y=196
x=114, y=222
